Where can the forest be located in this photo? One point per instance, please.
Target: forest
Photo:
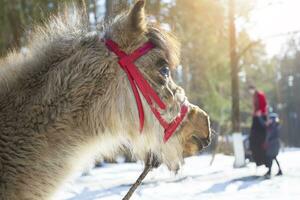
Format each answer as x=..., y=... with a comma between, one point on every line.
x=208, y=69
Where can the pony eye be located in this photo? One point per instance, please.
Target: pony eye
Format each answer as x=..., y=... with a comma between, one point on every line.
x=165, y=71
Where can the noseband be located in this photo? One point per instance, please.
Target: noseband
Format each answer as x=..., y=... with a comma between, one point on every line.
x=137, y=81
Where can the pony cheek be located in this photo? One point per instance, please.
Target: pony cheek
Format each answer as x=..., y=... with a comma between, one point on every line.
x=168, y=96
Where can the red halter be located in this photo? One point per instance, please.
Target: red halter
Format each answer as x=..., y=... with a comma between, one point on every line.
x=137, y=80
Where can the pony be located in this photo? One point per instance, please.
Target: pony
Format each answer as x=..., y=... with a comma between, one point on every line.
x=68, y=99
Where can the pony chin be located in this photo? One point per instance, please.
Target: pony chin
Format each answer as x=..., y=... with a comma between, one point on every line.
x=169, y=153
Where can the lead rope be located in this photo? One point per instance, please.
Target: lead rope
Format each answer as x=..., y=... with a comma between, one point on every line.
x=149, y=165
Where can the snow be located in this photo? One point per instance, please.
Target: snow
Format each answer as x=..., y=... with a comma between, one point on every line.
x=196, y=180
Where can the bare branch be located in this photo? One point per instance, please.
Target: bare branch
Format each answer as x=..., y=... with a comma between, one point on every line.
x=249, y=46
x=149, y=165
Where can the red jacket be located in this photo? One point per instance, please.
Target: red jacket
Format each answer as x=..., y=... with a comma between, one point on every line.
x=260, y=103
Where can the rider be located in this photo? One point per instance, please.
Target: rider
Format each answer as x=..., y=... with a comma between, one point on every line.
x=258, y=129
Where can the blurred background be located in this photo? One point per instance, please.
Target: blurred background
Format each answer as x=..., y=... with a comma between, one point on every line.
x=264, y=38
x=226, y=45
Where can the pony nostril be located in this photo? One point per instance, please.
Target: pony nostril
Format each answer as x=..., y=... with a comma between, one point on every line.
x=205, y=142
x=202, y=142
x=197, y=141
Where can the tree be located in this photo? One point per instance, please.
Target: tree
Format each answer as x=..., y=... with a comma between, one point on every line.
x=288, y=83
x=114, y=7
x=18, y=16
x=235, y=95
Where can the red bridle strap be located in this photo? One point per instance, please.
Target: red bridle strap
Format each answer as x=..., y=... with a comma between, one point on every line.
x=136, y=80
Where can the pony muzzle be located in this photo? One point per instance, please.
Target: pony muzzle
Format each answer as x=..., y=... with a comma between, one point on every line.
x=195, y=131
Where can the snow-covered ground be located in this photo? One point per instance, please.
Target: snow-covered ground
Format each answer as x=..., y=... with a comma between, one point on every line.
x=196, y=180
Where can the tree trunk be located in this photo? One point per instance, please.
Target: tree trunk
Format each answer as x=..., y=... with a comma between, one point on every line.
x=234, y=70
x=85, y=6
x=95, y=11
x=154, y=8
x=13, y=16
x=115, y=7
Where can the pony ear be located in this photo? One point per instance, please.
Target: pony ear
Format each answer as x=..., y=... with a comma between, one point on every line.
x=137, y=17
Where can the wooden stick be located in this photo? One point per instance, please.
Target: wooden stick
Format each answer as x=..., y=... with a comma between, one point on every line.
x=151, y=162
